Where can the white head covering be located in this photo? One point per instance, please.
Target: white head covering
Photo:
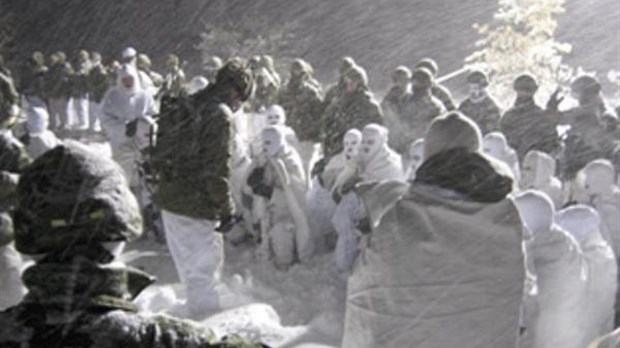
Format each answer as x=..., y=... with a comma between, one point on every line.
x=580, y=221
x=379, y=162
x=414, y=158
x=537, y=170
x=127, y=70
x=275, y=115
x=274, y=140
x=450, y=131
x=129, y=53
x=351, y=144
x=38, y=120
x=495, y=145
x=598, y=178
x=196, y=84
x=536, y=211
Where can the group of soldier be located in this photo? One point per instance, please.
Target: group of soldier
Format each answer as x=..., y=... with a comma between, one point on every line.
x=294, y=167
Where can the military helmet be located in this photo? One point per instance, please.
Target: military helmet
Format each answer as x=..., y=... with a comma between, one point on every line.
x=429, y=64
x=401, y=72
x=346, y=63
x=70, y=196
x=423, y=75
x=172, y=60
x=358, y=75
x=38, y=58
x=585, y=84
x=82, y=56
x=236, y=74
x=143, y=61
x=525, y=82
x=478, y=77
x=62, y=57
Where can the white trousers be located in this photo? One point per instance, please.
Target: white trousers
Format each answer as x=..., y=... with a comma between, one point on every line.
x=79, y=111
x=346, y=217
x=94, y=115
x=58, y=113
x=198, y=254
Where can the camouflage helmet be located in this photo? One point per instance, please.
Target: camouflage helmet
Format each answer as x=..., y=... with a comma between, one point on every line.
x=267, y=62
x=61, y=56
x=478, y=77
x=172, y=60
x=143, y=61
x=254, y=62
x=526, y=83
x=236, y=74
x=585, y=84
x=358, y=75
x=95, y=57
x=401, y=72
x=423, y=75
x=429, y=64
x=38, y=58
x=72, y=197
x=300, y=67
x=346, y=63
x=82, y=56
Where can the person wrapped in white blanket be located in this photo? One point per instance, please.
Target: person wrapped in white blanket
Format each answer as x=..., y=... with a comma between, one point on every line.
x=537, y=173
x=376, y=162
x=582, y=222
x=561, y=275
x=413, y=159
x=321, y=206
x=122, y=107
x=495, y=145
x=40, y=139
x=278, y=178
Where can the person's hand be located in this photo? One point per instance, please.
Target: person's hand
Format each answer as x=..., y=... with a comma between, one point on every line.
x=336, y=196
x=226, y=223
x=554, y=101
x=319, y=167
x=263, y=190
x=349, y=186
x=131, y=128
x=256, y=177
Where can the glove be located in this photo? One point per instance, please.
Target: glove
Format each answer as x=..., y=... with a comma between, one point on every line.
x=349, y=185
x=364, y=226
x=554, y=101
x=319, y=167
x=256, y=177
x=263, y=190
x=227, y=223
x=336, y=196
x=131, y=128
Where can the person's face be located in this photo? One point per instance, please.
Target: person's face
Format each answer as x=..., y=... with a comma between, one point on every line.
x=128, y=81
x=274, y=119
x=370, y=145
x=475, y=90
x=351, y=147
x=351, y=86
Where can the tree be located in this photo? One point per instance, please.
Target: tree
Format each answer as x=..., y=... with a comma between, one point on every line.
x=521, y=39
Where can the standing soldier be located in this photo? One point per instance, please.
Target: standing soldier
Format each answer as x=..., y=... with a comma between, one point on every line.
x=193, y=158
x=355, y=109
x=98, y=85
x=419, y=109
x=79, y=90
x=479, y=105
x=392, y=103
x=149, y=79
x=174, y=81
x=301, y=101
x=32, y=82
x=439, y=91
x=58, y=90
x=526, y=126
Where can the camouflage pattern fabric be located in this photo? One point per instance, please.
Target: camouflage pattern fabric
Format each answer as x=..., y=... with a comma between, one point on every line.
x=351, y=111
x=417, y=113
x=485, y=113
x=58, y=80
x=83, y=304
x=79, y=81
x=8, y=97
x=443, y=94
x=301, y=100
x=98, y=83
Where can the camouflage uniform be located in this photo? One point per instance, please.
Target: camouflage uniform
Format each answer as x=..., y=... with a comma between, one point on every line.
x=59, y=90
x=485, y=113
x=354, y=110
x=32, y=82
x=418, y=110
x=76, y=297
x=527, y=127
x=174, y=81
x=98, y=85
x=79, y=90
x=301, y=100
x=437, y=90
x=9, y=98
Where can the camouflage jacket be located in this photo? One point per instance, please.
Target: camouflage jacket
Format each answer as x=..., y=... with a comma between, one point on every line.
x=351, y=111
x=417, y=113
x=82, y=304
x=302, y=103
x=79, y=81
x=58, y=81
x=32, y=82
x=527, y=127
x=8, y=96
x=485, y=113
x=193, y=156
x=443, y=94
x=98, y=83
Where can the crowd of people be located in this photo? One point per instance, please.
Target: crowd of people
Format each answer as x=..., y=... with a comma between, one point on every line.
x=455, y=224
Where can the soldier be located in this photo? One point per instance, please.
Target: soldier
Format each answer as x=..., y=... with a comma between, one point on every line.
x=418, y=110
x=439, y=91
x=58, y=86
x=194, y=158
x=78, y=295
x=32, y=82
x=174, y=80
x=392, y=103
x=355, y=109
x=98, y=85
x=302, y=103
x=79, y=90
x=337, y=90
x=479, y=105
x=526, y=126
x=149, y=79
x=211, y=66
